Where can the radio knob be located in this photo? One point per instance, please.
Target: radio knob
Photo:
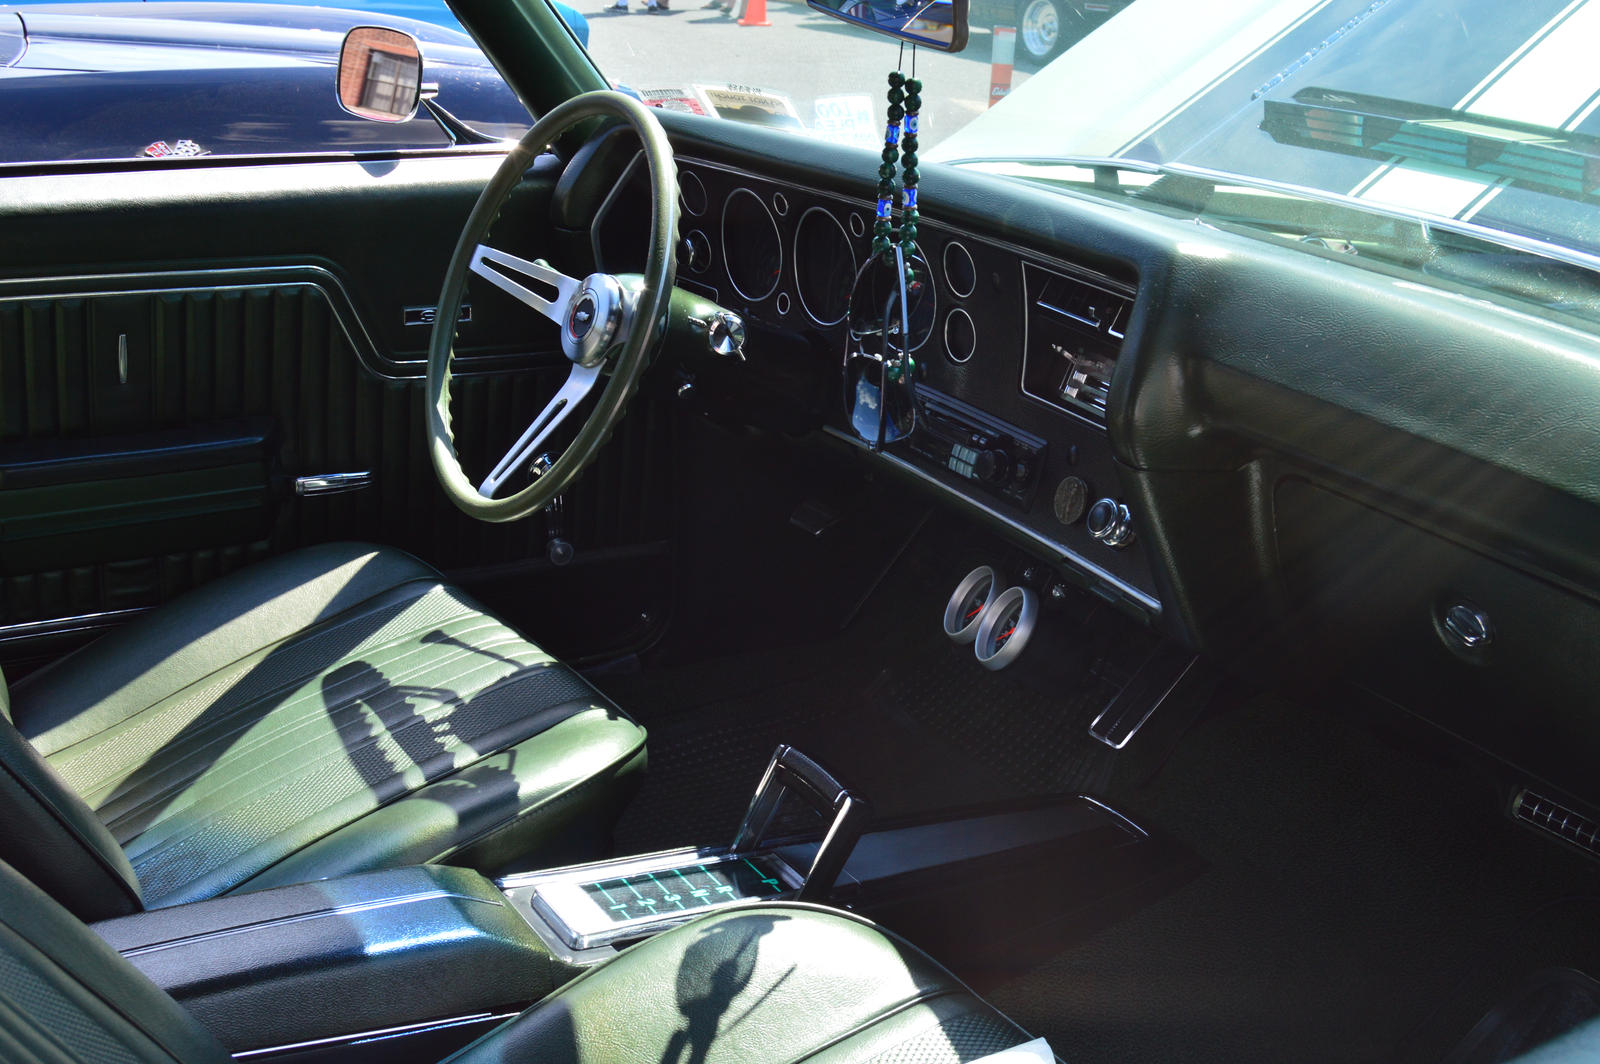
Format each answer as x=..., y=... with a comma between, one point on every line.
x=1110, y=522
x=991, y=466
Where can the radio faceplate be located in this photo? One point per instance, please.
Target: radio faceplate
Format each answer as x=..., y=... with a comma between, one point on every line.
x=960, y=439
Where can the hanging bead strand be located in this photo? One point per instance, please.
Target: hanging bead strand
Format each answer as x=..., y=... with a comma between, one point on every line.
x=883, y=235
x=910, y=175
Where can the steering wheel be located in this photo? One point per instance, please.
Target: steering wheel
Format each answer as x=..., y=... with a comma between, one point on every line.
x=609, y=323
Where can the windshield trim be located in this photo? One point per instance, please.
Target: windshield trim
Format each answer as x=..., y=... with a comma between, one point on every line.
x=1513, y=241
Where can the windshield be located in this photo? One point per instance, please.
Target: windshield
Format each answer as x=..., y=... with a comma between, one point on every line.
x=1476, y=114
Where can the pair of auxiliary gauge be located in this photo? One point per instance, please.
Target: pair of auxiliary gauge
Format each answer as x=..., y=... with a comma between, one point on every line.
x=998, y=623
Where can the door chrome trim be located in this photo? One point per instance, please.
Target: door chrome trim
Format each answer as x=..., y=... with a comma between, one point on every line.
x=249, y=278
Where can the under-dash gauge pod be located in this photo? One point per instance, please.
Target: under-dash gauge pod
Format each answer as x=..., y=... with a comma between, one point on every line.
x=971, y=597
x=1005, y=627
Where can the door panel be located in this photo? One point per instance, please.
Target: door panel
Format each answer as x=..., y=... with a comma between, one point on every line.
x=153, y=424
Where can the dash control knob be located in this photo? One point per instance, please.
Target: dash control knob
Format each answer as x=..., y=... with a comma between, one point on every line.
x=1111, y=523
x=992, y=466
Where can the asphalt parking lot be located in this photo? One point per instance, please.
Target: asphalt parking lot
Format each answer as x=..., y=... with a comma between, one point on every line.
x=803, y=54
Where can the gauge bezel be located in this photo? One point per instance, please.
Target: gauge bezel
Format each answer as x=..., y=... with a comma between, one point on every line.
x=960, y=630
x=1026, y=603
x=777, y=239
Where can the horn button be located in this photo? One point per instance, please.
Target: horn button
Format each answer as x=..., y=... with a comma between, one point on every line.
x=597, y=320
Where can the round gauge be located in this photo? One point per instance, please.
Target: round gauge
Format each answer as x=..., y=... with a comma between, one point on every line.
x=960, y=273
x=691, y=193
x=871, y=293
x=694, y=252
x=972, y=596
x=1072, y=496
x=1005, y=627
x=960, y=336
x=750, y=245
x=824, y=266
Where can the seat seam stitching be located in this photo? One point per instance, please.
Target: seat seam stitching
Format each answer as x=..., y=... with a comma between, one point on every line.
x=549, y=804
x=327, y=623
x=340, y=716
x=188, y=688
x=275, y=738
x=268, y=790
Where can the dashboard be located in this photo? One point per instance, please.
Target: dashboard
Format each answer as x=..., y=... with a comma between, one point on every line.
x=1016, y=351
x=1331, y=470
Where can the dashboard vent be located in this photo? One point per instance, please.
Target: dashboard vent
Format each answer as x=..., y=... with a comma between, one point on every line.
x=1552, y=818
x=1074, y=333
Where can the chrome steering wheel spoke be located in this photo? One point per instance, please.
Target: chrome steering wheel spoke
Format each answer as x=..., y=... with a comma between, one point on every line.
x=485, y=259
x=578, y=385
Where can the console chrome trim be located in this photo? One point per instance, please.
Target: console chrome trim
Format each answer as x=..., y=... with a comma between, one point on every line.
x=379, y=1034
x=855, y=263
x=1078, y=561
x=576, y=934
x=297, y=918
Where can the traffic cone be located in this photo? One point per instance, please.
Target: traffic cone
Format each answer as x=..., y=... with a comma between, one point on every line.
x=1000, y=60
x=755, y=13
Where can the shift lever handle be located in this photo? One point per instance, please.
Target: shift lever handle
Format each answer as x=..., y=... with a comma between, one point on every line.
x=794, y=772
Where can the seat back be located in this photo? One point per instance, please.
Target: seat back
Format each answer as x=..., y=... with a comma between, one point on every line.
x=53, y=838
x=67, y=996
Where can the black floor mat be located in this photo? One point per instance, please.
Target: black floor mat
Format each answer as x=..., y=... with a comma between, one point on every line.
x=893, y=708
x=1363, y=903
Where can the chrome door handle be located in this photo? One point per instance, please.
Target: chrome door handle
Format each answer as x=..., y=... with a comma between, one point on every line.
x=332, y=483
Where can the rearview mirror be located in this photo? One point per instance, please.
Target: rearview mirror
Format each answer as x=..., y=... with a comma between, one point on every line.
x=380, y=74
x=940, y=24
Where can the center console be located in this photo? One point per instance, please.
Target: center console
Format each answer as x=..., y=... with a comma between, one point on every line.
x=411, y=964
x=587, y=907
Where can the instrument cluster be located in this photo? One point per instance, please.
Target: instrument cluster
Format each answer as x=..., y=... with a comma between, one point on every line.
x=1015, y=352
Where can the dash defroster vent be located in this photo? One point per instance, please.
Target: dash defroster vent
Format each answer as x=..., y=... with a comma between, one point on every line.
x=1553, y=818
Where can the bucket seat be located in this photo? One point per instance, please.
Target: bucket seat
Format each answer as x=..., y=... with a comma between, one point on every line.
x=772, y=982
x=335, y=710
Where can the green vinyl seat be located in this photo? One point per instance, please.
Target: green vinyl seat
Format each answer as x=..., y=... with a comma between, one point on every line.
x=748, y=985
x=335, y=710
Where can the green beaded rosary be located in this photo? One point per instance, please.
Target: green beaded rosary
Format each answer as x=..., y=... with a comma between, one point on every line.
x=905, y=103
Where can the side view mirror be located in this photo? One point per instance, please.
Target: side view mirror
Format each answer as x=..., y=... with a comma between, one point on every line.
x=380, y=74
x=940, y=24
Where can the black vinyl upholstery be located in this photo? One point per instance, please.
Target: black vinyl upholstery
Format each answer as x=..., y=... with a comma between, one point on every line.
x=336, y=710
